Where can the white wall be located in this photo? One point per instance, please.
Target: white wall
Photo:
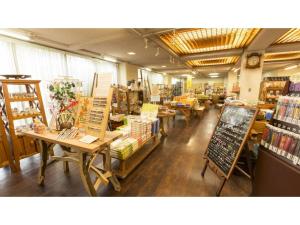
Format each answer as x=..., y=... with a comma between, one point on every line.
x=249, y=81
x=294, y=74
x=127, y=72
x=231, y=80
x=198, y=82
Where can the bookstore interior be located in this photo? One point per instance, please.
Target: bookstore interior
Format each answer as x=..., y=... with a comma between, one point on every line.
x=150, y=112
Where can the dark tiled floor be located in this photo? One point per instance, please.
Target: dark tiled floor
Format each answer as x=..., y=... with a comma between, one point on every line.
x=173, y=169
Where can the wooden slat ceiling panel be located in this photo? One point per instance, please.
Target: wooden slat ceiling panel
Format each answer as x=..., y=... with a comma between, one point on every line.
x=282, y=56
x=190, y=41
x=293, y=35
x=213, y=61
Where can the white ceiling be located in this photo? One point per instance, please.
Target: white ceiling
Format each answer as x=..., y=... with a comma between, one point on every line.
x=118, y=42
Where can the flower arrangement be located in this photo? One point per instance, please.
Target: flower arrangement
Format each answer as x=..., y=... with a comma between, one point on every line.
x=63, y=95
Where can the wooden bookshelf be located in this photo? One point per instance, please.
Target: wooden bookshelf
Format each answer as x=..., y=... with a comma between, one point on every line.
x=26, y=116
x=22, y=99
x=21, y=147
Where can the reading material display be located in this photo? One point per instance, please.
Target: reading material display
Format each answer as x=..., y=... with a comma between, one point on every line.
x=93, y=113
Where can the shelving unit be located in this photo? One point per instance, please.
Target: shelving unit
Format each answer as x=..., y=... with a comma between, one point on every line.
x=5, y=156
x=277, y=170
x=121, y=99
x=21, y=147
x=123, y=167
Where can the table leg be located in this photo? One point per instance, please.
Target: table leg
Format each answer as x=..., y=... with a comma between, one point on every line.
x=107, y=166
x=162, y=127
x=186, y=116
x=44, y=158
x=84, y=174
x=174, y=118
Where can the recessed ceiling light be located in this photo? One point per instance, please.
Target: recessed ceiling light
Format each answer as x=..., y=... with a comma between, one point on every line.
x=131, y=53
x=291, y=67
x=164, y=73
x=14, y=35
x=163, y=66
x=193, y=72
x=110, y=59
x=213, y=74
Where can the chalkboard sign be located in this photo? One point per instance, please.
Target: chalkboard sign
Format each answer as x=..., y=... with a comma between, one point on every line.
x=229, y=136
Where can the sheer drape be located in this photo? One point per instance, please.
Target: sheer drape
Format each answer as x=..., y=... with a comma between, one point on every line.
x=82, y=69
x=42, y=64
x=7, y=65
x=108, y=68
x=46, y=64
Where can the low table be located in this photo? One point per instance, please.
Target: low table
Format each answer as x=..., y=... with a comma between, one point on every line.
x=83, y=155
x=185, y=110
x=161, y=116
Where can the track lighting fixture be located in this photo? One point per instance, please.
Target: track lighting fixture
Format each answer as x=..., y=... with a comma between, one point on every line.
x=146, y=43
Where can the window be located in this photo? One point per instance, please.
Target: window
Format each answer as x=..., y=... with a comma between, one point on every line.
x=46, y=64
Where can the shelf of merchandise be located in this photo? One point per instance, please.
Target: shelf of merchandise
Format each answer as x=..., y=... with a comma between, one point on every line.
x=22, y=99
x=26, y=116
x=275, y=173
x=20, y=146
x=123, y=167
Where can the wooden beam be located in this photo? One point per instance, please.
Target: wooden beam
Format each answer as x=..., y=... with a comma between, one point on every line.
x=265, y=38
x=213, y=54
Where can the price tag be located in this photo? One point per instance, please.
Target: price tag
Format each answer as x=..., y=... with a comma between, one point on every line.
x=295, y=160
x=262, y=142
x=295, y=121
x=289, y=156
x=278, y=151
x=267, y=145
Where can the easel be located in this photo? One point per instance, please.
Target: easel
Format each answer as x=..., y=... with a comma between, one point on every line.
x=215, y=167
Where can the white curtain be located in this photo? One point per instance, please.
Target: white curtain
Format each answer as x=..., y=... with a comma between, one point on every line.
x=108, y=68
x=7, y=65
x=42, y=64
x=46, y=64
x=157, y=78
x=83, y=69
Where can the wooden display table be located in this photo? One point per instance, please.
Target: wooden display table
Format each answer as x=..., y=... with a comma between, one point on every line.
x=124, y=167
x=185, y=110
x=161, y=116
x=82, y=154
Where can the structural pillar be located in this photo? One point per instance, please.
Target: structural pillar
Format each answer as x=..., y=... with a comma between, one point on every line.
x=250, y=80
x=231, y=80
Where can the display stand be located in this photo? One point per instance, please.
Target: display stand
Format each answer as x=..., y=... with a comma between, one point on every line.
x=277, y=172
x=275, y=176
x=124, y=167
x=122, y=101
x=228, y=140
x=21, y=147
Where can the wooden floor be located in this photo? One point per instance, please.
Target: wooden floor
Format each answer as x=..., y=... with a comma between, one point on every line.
x=173, y=169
